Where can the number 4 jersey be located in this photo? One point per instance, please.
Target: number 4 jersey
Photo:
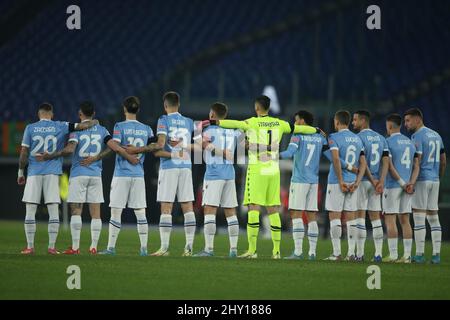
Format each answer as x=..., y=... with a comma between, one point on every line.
x=131, y=132
x=90, y=143
x=45, y=136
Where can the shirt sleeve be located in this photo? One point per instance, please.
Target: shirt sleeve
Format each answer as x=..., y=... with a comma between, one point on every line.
x=66, y=127
x=150, y=132
x=26, y=140
x=418, y=144
x=73, y=137
x=304, y=129
x=117, y=133
x=285, y=127
x=162, y=126
x=234, y=124
x=332, y=143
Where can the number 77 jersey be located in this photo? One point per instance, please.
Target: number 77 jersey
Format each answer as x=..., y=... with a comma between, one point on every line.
x=131, y=132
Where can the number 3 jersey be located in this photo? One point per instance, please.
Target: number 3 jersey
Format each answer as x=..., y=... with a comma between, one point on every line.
x=90, y=143
x=430, y=145
x=178, y=128
x=45, y=136
x=131, y=132
x=349, y=146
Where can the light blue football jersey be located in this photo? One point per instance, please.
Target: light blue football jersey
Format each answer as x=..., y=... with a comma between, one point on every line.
x=349, y=146
x=402, y=151
x=374, y=146
x=218, y=168
x=45, y=136
x=306, y=150
x=134, y=133
x=429, y=144
x=90, y=143
x=176, y=127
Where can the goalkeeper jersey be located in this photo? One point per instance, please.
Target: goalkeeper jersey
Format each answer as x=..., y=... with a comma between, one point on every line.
x=264, y=135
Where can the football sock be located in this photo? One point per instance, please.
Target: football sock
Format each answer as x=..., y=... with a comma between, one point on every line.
x=53, y=224
x=377, y=234
x=30, y=224
x=419, y=231
x=351, y=237
x=114, y=226
x=165, y=228
x=252, y=230
x=75, y=231
x=298, y=233
x=393, y=248
x=361, y=236
x=233, y=231
x=96, y=228
x=335, y=234
x=142, y=227
x=313, y=235
x=189, y=229
x=407, y=245
x=209, y=231
x=275, y=230
x=436, y=232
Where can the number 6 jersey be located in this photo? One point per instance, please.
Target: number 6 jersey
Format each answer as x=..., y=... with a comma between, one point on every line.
x=131, y=132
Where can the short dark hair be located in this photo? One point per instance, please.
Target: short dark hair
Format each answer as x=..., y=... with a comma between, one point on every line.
x=364, y=114
x=263, y=101
x=415, y=112
x=220, y=109
x=87, y=108
x=305, y=115
x=132, y=104
x=172, y=99
x=45, y=107
x=395, y=118
x=343, y=116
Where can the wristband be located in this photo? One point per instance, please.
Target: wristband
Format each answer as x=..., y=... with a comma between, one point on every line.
x=401, y=182
x=20, y=173
x=349, y=167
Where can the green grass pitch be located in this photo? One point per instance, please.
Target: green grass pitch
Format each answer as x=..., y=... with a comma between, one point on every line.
x=128, y=276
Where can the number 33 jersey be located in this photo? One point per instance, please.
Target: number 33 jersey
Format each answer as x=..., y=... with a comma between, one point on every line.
x=90, y=143
x=177, y=128
x=45, y=136
x=131, y=132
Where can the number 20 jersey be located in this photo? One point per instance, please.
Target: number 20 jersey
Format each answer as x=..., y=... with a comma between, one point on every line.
x=90, y=143
x=45, y=136
x=131, y=132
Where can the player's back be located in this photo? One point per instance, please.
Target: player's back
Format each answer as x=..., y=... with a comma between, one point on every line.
x=350, y=147
x=90, y=143
x=307, y=157
x=265, y=131
x=218, y=168
x=45, y=136
x=428, y=143
x=402, y=152
x=131, y=132
x=176, y=127
x=374, y=146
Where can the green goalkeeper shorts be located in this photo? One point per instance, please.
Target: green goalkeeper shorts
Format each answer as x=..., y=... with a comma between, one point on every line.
x=262, y=185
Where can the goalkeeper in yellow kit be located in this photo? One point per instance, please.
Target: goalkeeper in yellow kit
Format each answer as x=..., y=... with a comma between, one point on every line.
x=262, y=186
